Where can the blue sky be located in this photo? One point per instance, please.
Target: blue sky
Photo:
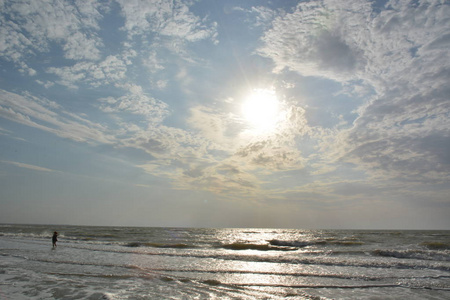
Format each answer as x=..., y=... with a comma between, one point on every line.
x=299, y=114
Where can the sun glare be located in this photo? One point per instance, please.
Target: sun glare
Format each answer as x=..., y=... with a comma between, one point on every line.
x=261, y=110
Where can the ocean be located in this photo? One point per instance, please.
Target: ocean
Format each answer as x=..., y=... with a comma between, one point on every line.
x=207, y=263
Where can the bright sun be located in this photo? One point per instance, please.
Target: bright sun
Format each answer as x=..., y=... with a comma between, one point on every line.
x=261, y=110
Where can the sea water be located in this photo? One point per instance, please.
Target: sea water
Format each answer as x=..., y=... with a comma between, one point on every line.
x=188, y=263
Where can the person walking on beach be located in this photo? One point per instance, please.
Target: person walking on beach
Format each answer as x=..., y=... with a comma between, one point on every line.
x=54, y=239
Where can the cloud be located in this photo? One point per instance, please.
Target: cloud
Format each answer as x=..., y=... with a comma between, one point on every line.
x=46, y=84
x=179, y=155
x=263, y=16
x=269, y=154
x=402, y=54
x=167, y=18
x=49, y=116
x=108, y=71
x=310, y=41
x=199, y=160
x=79, y=47
x=217, y=126
x=169, y=143
x=27, y=166
x=225, y=178
x=136, y=102
x=236, y=158
x=32, y=27
x=277, y=150
x=152, y=63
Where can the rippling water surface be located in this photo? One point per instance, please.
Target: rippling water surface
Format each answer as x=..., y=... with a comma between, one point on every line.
x=181, y=263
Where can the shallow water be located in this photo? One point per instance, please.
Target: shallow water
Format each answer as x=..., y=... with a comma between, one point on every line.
x=181, y=263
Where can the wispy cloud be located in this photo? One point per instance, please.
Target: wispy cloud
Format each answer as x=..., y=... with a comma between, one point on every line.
x=49, y=116
x=27, y=166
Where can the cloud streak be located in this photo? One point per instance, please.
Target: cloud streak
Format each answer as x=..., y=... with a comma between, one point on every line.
x=47, y=115
x=27, y=166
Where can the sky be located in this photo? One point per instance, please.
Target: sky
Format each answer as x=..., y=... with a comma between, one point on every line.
x=282, y=114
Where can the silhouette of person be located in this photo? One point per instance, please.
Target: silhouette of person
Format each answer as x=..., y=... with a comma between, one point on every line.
x=54, y=239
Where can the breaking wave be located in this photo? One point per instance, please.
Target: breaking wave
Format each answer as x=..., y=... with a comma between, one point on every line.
x=259, y=247
x=414, y=254
x=158, y=245
x=436, y=245
x=301, y=244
